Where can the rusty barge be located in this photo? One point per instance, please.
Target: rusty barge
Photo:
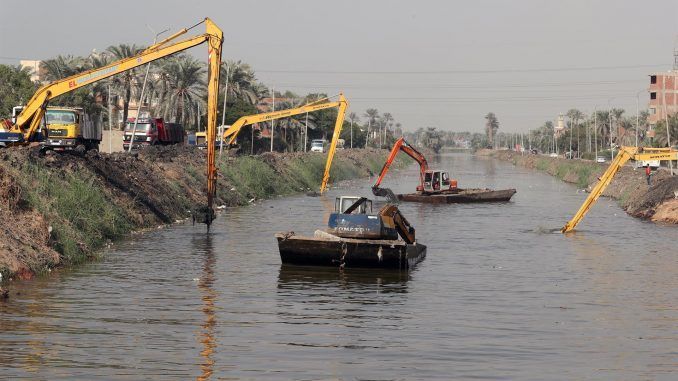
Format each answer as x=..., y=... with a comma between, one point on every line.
x=460, y=196
x=355, y=238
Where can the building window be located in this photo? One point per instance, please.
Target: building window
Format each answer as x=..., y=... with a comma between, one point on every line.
x=653, y=79
x=653, y=110
x=653, y=95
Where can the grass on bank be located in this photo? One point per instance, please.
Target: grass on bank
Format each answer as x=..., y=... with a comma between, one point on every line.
x=81, y=217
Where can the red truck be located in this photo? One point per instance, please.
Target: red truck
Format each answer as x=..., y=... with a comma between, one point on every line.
x=152, y=131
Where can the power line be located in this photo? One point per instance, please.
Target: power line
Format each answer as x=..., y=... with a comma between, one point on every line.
x=464, y=71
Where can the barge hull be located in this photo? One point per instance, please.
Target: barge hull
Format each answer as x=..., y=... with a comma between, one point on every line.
x=464, y=196
x=354, y=253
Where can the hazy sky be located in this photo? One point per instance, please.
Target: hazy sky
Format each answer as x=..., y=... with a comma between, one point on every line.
x=429, y=63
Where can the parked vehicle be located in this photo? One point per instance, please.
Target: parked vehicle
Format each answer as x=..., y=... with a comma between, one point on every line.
x=600, y=159
x=318, y=145
x=341, y=143
x=69, y=128
x=152, y=131
x=654, y=164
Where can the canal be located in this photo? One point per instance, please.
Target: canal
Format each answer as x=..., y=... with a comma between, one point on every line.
x=500, y=295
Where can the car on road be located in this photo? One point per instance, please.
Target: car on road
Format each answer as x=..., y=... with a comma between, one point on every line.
x=553, y=154
x=600, y=159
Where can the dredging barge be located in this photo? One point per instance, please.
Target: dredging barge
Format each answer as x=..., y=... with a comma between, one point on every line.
x=460, y=196
x=356, y=238
x=435, y=186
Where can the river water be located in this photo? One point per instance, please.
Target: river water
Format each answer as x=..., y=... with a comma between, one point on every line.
x=499, y=296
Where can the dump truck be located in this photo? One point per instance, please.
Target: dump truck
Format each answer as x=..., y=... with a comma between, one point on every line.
x=152, y=131
x=70, y=128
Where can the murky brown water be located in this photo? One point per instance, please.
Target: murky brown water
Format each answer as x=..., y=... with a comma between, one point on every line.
x=498, y=297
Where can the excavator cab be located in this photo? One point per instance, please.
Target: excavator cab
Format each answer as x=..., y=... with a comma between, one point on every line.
x=436, y=181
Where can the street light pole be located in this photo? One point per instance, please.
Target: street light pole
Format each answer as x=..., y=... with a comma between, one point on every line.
x=223, y=115
x=609, y=118
x=141, y=96
x=272, y=121
x=638, y=114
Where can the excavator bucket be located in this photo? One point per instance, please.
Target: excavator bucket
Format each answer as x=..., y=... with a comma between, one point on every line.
x=385, y=192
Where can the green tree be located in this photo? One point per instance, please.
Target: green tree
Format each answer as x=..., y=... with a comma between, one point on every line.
x=126, y=83
x=16, y=88
x=491, y=127
x=371, y=114
x=660, y=138
x=185, y=83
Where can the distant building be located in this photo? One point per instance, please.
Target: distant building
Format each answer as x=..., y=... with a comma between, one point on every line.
x=37, y=75
x=560, y=125
x=662, y=85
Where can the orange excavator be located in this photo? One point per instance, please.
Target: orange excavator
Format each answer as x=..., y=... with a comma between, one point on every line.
x=430, y=181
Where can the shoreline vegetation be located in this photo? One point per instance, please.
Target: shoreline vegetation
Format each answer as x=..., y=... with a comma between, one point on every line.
x=61, y=209
x=657, y=203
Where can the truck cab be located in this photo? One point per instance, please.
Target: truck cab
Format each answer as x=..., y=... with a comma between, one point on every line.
x=70, y=128
x=318, y=145
x=146, y=133
x=437, y=181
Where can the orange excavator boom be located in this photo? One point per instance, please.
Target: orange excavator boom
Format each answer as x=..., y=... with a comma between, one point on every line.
x=402, y=145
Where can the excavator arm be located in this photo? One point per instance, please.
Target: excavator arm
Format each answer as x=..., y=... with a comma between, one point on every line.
x=625, y=154
x=400, y=145
x=28, y=121
x=232, y=132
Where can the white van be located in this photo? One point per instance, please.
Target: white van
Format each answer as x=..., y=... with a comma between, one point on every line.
x=317, y=145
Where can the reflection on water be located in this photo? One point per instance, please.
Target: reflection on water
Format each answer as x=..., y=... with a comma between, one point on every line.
x=300, y=277
x=499, y=296
x=209, y=295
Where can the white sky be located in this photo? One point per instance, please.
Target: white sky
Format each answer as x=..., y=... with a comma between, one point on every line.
x=429, y=63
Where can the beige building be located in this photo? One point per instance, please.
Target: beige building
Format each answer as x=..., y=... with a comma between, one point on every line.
x=34, y=65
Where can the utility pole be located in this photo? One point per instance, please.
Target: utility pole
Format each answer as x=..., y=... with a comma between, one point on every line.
x=141, y=96
x=666, y=118
x=595, y=131
x=351, y=133
x=272, y=121
x=223, y=115
x=110, y=122
x=306, y=133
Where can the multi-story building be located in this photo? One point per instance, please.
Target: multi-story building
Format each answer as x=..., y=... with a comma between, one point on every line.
x=663, y=93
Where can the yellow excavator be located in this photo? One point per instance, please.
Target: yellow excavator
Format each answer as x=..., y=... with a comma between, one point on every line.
x=625, y=154
x=232, y=132
x=24, y=129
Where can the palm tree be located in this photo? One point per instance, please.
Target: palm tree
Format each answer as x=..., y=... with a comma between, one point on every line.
x=661, y=139
x=184, y=77
x=125, y=83
x=371, y=114
x=574, y=116
x=386, y=118
x=491, y=127
x=242, y=83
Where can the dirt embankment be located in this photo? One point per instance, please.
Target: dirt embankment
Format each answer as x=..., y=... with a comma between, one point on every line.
x=59, y=208
x=629, y=187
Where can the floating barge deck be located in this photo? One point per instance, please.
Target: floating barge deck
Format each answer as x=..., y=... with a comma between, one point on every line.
x=324, y=249
x=461, y=196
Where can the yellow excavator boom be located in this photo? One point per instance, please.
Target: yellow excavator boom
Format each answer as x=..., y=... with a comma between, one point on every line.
x=28, y=122
x=625, y=154
x=232, y=132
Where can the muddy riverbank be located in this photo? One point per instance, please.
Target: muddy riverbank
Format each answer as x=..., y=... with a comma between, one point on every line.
x=658, y=203
x=60, y=208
